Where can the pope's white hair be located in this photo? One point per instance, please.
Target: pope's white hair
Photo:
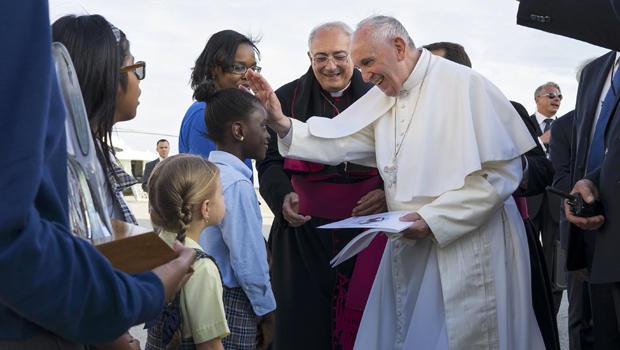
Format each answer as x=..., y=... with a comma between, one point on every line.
x=385, y=28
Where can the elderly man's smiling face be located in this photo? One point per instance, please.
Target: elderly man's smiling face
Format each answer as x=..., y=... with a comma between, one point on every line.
x=380, y=61
x=330, y=59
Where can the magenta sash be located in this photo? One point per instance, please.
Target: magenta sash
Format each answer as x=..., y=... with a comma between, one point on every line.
x=348, y=317
x=522, y=206
x=302, y=166
x=331, y=200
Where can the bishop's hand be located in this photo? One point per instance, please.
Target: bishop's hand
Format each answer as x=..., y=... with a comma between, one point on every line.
x=263, y=91
x=290, y=211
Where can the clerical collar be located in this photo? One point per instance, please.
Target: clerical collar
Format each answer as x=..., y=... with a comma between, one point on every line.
x=339, y=93
x=417, y=75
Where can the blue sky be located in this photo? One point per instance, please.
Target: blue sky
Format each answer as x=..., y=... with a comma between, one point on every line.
x=169, y=35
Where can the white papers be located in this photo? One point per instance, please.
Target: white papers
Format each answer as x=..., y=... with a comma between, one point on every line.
x=387, y=223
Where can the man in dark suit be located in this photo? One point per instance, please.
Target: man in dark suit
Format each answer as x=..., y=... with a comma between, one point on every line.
x=163, y=148
x=579, y=310
x=593, y=242
x=544, y=208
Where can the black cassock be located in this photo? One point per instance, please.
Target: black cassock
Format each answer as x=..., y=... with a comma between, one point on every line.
x=540, y=175
x=311, y=296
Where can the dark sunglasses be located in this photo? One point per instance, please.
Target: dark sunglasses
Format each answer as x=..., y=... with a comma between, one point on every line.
x=139, y=69
x=553, y=95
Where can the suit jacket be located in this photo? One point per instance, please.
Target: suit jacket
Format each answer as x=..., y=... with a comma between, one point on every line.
x=562, y=158
x=593, y=21
x=605, y=267
x=148, y=169
x=540, y=172
x=581, y=252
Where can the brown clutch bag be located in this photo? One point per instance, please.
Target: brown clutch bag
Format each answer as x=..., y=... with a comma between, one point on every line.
x=134, y=249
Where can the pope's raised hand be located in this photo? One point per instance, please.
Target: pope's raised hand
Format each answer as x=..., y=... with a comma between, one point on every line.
x=263, y=91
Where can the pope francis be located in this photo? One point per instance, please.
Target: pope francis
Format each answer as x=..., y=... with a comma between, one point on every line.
x=447, y=144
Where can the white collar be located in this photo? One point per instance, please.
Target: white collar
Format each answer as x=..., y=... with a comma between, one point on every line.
x=540, y=118
x=339, y=93
x=417, y=75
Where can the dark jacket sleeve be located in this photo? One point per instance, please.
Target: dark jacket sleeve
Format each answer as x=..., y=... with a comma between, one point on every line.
x=560, y=151
x=148, y=169
x=50, y=278
x=540, y=170
x=274, y=182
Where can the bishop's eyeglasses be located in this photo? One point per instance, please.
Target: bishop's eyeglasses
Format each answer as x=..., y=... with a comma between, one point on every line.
x=338, y=58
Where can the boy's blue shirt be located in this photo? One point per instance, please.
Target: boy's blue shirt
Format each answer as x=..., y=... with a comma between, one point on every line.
x=237, y=243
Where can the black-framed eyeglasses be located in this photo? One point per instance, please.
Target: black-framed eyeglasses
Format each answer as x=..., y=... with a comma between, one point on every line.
x=338, y=58
x=552, y=95
x=139, y=69
x=241, y=69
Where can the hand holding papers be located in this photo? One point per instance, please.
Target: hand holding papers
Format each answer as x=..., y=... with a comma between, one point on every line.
x=388, y=223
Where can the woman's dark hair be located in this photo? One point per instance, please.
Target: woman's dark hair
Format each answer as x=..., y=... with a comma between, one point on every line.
x=97, y=50
x=225, y=107
x=219, y=52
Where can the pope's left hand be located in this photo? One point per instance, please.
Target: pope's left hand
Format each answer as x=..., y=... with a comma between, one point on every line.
x=418, y=230
x=372, y=202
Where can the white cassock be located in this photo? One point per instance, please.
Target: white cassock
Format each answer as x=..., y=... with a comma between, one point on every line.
x=467, y=286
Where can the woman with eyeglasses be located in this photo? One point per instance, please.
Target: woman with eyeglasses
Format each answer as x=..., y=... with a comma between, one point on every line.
x=222, y=64
x=109, y=79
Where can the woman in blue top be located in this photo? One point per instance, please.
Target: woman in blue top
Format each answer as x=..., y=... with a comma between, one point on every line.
x=222, y=64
